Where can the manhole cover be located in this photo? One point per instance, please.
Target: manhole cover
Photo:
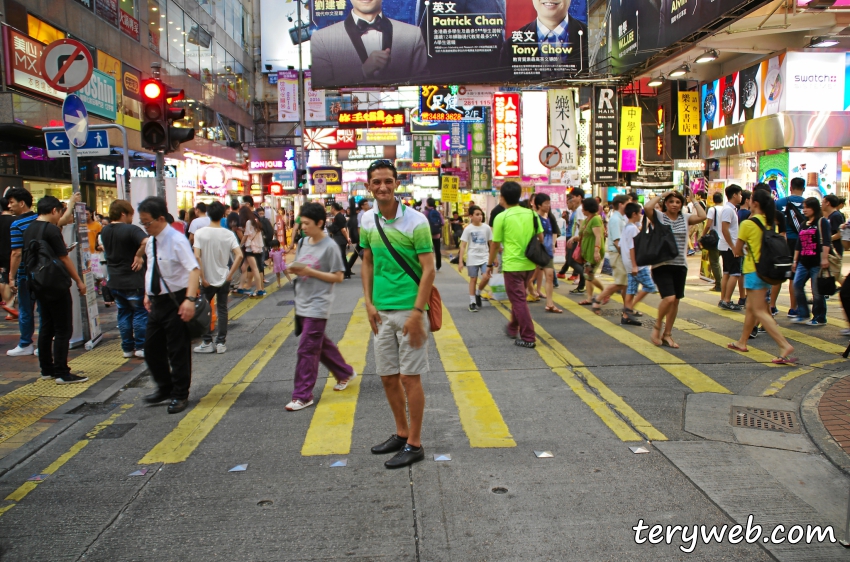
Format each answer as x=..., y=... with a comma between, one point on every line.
x=115, y=431
x=499, y=490
x=698, y=323
x=286, y=303
x=771, y=420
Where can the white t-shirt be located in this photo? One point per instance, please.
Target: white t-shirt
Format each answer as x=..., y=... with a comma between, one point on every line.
x=627, y=242
x=477, y=238
x=198, y=223
x=729, y=214
x=216, y=245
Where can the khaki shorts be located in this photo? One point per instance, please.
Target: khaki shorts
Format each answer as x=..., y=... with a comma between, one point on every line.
x=621, y=276
x=393, y=353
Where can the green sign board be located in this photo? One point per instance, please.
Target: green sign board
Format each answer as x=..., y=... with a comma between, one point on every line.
x=479, y=173
x=480, y=138
x=99, y=95
x=423, y=148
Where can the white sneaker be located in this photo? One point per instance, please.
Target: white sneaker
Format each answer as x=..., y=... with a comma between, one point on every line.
x=35, y=352
x=205, y=348
x=342, y=385
x=140, y=353
x=296, y=405
x=19, y=351
x=127, y=354
x=220, y=348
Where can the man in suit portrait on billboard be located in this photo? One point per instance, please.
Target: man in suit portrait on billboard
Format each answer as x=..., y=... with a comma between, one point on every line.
x=556, y=31
x=367, y=48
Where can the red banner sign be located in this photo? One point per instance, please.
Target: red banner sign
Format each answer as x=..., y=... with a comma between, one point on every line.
x=22, y=56
x=129, y=25
x=377, y=118
x=330, y=138
x=506, y=134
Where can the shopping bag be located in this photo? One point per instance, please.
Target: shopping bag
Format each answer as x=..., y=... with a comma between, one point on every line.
x=497, y=287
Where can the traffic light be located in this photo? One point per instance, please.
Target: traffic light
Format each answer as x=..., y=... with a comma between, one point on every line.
x=154, y=120
x=176, y=135
x=302, y=179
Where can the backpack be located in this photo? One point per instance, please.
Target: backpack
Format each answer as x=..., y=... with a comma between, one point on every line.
x=794, y=216
x=268, y=231
x=436, y=221
x=774, y=265
x=46, y=275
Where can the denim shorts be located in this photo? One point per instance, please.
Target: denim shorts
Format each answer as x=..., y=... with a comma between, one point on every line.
x=476, y=270
x=754, y=282
x=644, y=278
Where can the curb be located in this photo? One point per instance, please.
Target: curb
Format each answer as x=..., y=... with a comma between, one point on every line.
x=66, y=419
x=815, y=428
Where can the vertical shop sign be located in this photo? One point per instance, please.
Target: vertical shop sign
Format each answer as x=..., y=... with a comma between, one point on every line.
x=423, y=148
x=604, y=138
x=22, y=55
x=689, y=113
x=108, y=10
x=562, y=127
x=480, y=138
x=450, y=185
x=129, y=25
x=506, y=134
x=287, y=95
x=479, y=174
x=458, y=140
x=316, y=109
x=130, y=103
x=629, y=138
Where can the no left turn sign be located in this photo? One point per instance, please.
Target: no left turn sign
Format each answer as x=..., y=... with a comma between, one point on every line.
x=66, y=65
x=550, y=156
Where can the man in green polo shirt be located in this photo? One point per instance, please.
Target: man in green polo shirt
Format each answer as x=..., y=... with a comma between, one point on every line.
x=396, y=306
x=513, y=228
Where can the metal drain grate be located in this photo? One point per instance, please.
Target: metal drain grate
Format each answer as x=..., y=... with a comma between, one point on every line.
x=771, y=420
x=286, y=303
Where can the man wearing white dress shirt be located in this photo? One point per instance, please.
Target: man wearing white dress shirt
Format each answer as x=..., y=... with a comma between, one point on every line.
x=171, y=267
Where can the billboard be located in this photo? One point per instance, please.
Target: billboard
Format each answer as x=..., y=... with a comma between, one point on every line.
x=357, y=42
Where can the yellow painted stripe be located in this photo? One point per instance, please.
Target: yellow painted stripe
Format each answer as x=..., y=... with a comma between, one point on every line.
x=780, y=383
x=199, y=422
x=688, y=375
x=248, y=303
x=479, y=415
x=712, y=337
x=805, y=339
x=333, y=421
x=568, y=366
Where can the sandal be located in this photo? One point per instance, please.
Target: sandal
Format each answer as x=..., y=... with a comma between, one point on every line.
x=585, y=302
x=656, y=341
x=532, y=298
x=734, y=347
x=633, y=312
x=554, y=309
x=785, y=360
x=577, y=291
x=671, y=344
x=597, y=307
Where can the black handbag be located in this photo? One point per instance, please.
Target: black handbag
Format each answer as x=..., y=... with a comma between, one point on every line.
x=202, y=320
x=826, y=283
x=710, y=240
x=655, y=243
x=536, y=251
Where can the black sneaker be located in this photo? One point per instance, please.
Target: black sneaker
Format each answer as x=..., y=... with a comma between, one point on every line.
x=473, y=307
x=478, y=302
x=407, y=456
x=523, y=343
x=391, y=445
x=70, y=379
x=629, y=320
x=754, y=334
x=761, y=329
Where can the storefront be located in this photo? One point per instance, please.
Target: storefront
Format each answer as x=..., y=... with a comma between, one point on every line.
x=272, y=177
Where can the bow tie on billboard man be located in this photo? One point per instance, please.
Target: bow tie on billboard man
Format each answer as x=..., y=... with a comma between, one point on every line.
x=367, y=47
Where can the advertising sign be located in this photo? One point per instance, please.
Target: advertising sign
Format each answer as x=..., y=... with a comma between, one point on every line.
x=108, y=10
x=22, y=57
x=316, y=109
x=479, y=173
x=629, y=138
x=98, y=95
x=604, y=138
x=562, y=127
x=441, y=42
x=325, y=179
x=450, y=186
x=458, y=140
x=442, y=103
x=688, y=113
x=287, y=95
x=378, y=137
x=423, y=148
x=260, y=163
x=506, y=134
x=480, y=139
x=330, y=138
x=129, y=25
x=818, y=169
x=813, y=82
x=351, y=119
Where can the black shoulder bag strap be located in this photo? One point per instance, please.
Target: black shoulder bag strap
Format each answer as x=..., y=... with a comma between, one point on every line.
x=400, y=260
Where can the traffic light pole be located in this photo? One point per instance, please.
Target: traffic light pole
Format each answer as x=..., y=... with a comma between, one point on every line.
x=160, y=174
x=301, y=98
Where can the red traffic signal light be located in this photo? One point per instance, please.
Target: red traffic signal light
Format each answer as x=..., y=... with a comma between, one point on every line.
x=152, y=89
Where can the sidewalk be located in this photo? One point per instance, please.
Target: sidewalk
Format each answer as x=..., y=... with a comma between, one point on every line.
x=826, y=415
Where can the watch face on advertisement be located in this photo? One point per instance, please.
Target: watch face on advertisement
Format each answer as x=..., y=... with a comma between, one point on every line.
x=729, y=100
x=750, y=93
x=773, y=85
x=709, y=107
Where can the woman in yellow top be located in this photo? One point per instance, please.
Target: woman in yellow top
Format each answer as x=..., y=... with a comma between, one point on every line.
x=763, y=209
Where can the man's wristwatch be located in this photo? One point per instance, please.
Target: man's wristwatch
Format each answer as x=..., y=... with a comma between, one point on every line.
x=191, y=299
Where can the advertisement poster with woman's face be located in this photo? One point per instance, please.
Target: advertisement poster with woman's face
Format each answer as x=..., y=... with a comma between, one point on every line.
x=357, y=42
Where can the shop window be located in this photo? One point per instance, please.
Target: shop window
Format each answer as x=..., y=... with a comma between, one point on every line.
x=43, y=31
x=129, y=7
x=237, y=22
x=207, y=6
x=219, y=13
x=191, y=36
x=176, y=39
x=157, y=28
x=229, y=6
x=247, y=23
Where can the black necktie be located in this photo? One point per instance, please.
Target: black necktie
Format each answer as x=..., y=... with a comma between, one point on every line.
x=155, y=289
x=365, y=26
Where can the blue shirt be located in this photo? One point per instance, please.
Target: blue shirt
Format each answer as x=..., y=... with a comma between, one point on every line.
x=790, y=229
x=17, y=234
x=547, y=235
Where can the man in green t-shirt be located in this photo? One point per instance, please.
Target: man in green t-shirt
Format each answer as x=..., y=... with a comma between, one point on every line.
x=513, y=228
x=396, y=304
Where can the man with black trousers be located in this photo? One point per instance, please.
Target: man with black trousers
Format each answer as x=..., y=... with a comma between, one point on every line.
x=56, y=307
x=338, y=229
x=354, y=212
x=172, y=283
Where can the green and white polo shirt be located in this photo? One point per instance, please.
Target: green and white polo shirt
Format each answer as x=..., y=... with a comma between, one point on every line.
x=410, y=235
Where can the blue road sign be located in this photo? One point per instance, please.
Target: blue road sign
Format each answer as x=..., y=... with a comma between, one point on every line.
x=75, y=118
x=97, y=144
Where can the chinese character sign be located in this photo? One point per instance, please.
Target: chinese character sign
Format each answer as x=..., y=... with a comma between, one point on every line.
x=689, y=122
x=506, y=134
x=423, y=148
x=443, y=103
x=315, y=109
x=287, y=95
x=562, y=127
x=479, y=173
x=480, y=139
x=375, y=118
x=450, y=185
x=629, y=138
x=604, y=134
x=458, y=140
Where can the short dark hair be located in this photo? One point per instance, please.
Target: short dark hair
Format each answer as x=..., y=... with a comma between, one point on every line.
x=119, y=207
x=248, y=200
x=169, y=218
x=733, y=190
x=4, y=205
x=745, y=196
x=181, y=214
x=798, y=184
x=633, y=196
x=540, y=198
x=234, y=204
x=315, y=212
x=631, y=209
x=336, y=206
x=814, y=204
x=47, y=204
x=430, y=202
x=377, y=165
x=619, y=200
x=833, y=201
x=154, y=206
x=215, y=211
x=590, y=205
x=20, y=195
x=761, y=186
x=511, y=191
x=201, y=206
x=473, y=208
x=717, y=198
x=362, y=202
x=577, y=192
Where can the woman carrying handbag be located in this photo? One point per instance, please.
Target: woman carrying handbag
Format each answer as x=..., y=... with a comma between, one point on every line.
x=810, y=257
